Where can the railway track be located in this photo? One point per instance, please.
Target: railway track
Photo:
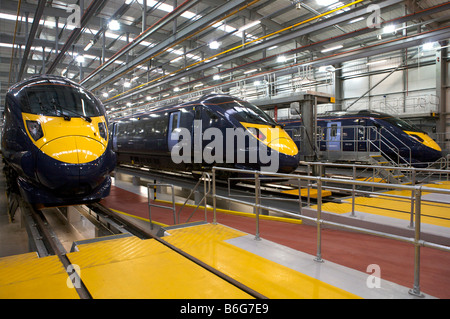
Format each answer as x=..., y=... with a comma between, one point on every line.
x=45, y=240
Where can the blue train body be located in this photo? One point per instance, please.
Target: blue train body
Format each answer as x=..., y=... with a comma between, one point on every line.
x=196, y=135
x=55, y=142
x=367, y=131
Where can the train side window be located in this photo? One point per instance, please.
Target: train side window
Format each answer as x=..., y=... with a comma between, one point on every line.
x=333, y=131
x=174, y=124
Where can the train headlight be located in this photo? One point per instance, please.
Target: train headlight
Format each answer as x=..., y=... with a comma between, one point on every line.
x=102, y=129
x=256, y=132
x=35, y=129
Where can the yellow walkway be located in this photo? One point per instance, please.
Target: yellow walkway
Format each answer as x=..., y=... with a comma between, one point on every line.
x=431, y=212
x=134, y=268
x=207, y=243
x=27, y=276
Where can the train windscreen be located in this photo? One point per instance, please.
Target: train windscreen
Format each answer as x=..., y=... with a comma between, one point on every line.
x=247, y=112
x=403, y=125
x=58, y=100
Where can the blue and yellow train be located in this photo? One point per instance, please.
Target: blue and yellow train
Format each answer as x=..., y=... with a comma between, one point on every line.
x=55, y=142
x=372, y=132
x=215, y=129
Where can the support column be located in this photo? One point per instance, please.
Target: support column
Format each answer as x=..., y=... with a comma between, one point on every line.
x=441, y=94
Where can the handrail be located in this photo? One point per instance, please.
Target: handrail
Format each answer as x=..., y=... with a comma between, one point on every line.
x=150, y=205
x=415, y=210
x=176, y=215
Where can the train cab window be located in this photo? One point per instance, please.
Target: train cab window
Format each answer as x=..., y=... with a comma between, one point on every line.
x=59, y=100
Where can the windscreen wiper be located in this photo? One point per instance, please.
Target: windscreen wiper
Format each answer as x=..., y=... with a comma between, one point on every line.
x=67, y=118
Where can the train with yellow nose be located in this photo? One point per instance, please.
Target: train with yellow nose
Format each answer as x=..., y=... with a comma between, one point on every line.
x=55, y=142
x=206, y=131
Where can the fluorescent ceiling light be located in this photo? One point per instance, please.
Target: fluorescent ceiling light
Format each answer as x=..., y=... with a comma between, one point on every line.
x=389, y=28
x=216, y=77
x=326, y=2
x=250, y=71
x=256, y=83
x=126, y=84
x=105, y=94
x=89, y=45
x=249, y=25
x=214, y=45
x=332, y=48
x=428, y=46
x=114, y=25
x=281, y=58
x=356, y=20
x=79, y=59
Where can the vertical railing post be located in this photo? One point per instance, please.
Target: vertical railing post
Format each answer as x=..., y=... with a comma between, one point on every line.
x=149, y=206
x=353, y=192
x=173, y=207
x=257, y=208
x=214, y=195
x=413, y=181
x=415, y=291
x=318, y=221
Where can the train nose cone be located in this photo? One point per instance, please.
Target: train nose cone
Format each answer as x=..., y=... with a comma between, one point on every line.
x=71, y=164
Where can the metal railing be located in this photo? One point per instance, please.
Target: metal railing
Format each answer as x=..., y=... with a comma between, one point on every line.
x=319, y=221
x=150, y=204
x=206, y=178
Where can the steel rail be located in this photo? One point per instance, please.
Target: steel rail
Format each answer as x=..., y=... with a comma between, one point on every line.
x=56, y=248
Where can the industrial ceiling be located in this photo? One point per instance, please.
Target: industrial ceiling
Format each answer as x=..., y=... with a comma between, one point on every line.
x=132, y=53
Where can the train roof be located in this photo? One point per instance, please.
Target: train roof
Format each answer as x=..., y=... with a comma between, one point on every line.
x=195, y=100
x=365, y=113
x=38, y=79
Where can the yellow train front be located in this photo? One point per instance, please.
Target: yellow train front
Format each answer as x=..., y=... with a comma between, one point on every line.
x=55, y=143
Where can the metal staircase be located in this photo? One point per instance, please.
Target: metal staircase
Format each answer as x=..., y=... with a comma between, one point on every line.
x=387, y=170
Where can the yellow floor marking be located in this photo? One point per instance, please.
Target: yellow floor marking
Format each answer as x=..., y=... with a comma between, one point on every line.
x=27, y=276
x=304, y=192
x=134, y=268
x=273, y=280
x=432, y=213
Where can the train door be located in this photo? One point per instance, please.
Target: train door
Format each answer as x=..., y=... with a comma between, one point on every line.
x=334, y=136
x=173, y=135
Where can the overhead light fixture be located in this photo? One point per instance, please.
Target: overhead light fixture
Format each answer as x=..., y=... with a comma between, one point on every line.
x=214, y=45
x=332, y=48
x=281, y=58
x=326, y=3
x=79, y=59
x=105, y=94
x=249, y=25
x=326, y=68
x=176, y=89
x=89, y=45
x=126, y=84
x=250, y=71
x=216, y=77
x=114, y=25
x=428, y=46
x=356, y=20
x=257, y=83
x=389, y=28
